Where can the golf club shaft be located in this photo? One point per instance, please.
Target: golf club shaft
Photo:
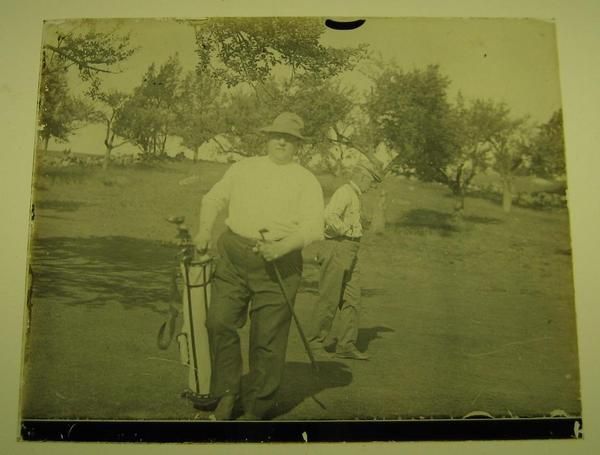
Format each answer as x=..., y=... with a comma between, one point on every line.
x=291, y=308
x=300, y=331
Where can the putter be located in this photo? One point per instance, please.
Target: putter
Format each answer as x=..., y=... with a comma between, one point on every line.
x=291, y=308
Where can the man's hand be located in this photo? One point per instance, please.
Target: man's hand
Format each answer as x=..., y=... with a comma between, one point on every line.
x=271, y=250
x=202, y=242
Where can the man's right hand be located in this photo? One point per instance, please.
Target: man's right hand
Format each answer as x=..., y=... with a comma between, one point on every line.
x=202, y=242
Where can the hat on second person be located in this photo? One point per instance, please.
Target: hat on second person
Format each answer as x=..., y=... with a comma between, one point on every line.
x=286, y=123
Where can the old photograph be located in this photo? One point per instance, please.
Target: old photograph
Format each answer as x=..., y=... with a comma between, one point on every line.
x=294, y=219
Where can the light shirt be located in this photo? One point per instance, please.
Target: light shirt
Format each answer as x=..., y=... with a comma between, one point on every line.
x=259, y=193
x=342, y=214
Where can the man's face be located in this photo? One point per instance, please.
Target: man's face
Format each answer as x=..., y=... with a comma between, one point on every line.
x=282, y=147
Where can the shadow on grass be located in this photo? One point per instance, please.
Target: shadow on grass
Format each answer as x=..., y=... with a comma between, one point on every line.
x=300, y=382
x=422, y=220
x=481, y=219
x=101, y=270
x=60, y=206
x=365, y=336
x=312, y=287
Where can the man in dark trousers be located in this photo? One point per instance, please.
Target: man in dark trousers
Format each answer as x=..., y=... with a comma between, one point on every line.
x=277, y=196
x=339, y=282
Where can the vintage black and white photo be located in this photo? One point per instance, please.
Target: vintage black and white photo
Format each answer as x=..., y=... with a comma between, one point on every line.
x=281, y=219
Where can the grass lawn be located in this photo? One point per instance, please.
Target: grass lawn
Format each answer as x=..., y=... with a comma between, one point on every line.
x=456, y=318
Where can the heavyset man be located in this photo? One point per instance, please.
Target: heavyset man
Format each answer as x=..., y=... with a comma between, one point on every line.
x=275, y=194
x=339, y=283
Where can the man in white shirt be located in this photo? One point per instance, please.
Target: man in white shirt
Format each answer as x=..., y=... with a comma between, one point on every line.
x=275, y=194
x=339, y=282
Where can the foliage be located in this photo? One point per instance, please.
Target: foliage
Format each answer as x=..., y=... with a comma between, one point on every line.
x=112, y=103
x=410, y=113
x=149, y=115
x=548, y=148
x=60, y=113
x=322, y=104
x=247, y=50
x=91, y=53
x=478, y=128
x=198, y=110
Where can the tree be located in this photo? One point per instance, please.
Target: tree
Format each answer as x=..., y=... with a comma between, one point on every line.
x=61, y=113
x=91, y=53
x=322, y=104
x=474, y=126
x=410, y=113
x=246, y=50
x=250, y=52
x=508, y=138
x=197, y=115
x=113, y=102
x=548, y=148
x=149, y=115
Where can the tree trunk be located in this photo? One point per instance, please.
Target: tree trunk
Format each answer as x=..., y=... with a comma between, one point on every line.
x=106, y=161
x=378, y=223
x=506, y=194
x=196, y=154
x=163, y=146
x=46, y=140
x=459, y=203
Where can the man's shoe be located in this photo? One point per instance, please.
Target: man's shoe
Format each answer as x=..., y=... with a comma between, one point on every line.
x=353, y=354
x=224, y=408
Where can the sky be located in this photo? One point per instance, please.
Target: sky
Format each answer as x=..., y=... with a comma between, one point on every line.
x=509, y=60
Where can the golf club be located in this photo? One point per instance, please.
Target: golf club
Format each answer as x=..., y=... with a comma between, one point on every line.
x=291, y=307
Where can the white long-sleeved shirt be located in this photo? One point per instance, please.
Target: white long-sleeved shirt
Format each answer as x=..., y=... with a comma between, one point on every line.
x=261, y=194
x=342, y=214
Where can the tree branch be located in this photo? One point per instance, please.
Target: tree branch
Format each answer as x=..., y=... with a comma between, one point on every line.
x=78, y=62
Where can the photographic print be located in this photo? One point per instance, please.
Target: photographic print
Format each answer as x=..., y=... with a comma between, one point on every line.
x=273, y=222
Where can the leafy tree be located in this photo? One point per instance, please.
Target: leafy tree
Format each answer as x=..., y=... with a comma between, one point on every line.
x=90, y=53
x=548, y=148
x=325, y=106
x=149, y=115
x=474, y=126
x=247, y=50
x=322, y=104
x=61, y=113
x=198, y=110
x=287, y=67
x=113, y=102
x=508, y=138
x=410, y=113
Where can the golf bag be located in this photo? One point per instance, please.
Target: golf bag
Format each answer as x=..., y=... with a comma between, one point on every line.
x=190, y=286
x=193, y=340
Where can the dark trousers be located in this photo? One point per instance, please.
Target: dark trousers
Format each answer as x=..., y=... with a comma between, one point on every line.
x=244, y=280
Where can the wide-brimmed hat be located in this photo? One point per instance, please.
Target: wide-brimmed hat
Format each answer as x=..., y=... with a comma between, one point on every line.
x=368, y=170
x=286, y=123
